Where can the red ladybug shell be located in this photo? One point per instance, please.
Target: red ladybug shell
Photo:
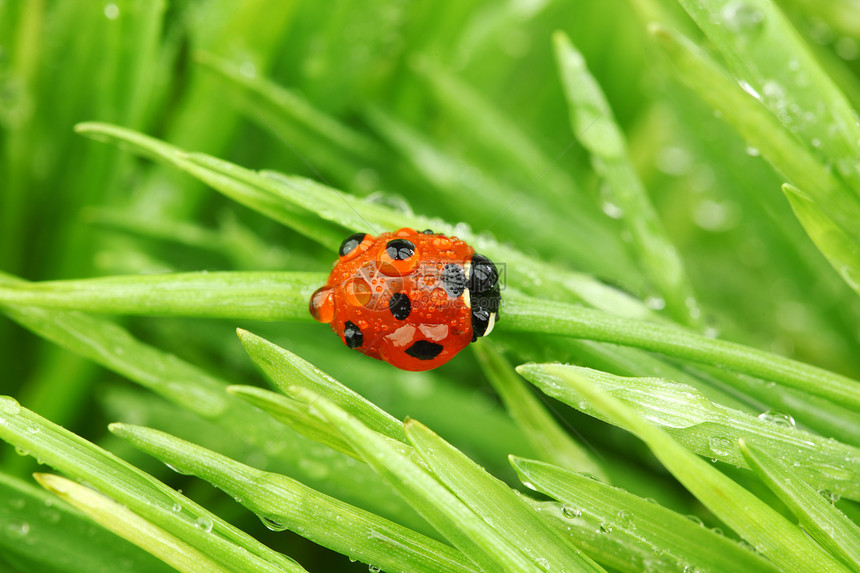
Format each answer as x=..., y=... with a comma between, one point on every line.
x=403, y=297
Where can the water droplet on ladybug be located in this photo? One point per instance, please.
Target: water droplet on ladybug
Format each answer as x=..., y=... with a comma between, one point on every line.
x=322, y=304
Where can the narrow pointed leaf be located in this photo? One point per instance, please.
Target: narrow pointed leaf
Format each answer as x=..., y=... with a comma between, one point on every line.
x=769, y=532
x=661, y=538
x=284, y=503
x=130, y=526
x=818, y=516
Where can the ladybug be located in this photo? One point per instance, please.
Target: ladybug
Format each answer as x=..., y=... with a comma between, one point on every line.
x=411, y=299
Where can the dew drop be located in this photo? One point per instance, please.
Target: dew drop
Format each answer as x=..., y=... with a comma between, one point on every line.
x=203, y=523
x=272, y=525
x=111, y=11
x=743, y=18
x=779, y=418
x=176, y=508
x=18, y=529
x=570, y=512
x=10, y=406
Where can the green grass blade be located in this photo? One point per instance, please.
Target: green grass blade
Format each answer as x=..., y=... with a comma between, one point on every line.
x=593, y=123
x=130, y=526
x=284, y=503
x=136, y=490
x=842, y=251
x=301, y=219
x=248, y=295
x=712, y=430
x=192, y=388
x=324, y=215
x=545, y=435
x=397, y=464
x=760, y=128
x=767, y=531
x=764, y=50
x=294, y=414
x=817, y=516
x=533, y=315
x=497, y=504
x=287, y=370
x=667, y=540
x=39, y=532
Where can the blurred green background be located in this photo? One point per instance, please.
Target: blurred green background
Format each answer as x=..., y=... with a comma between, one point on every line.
x=446, y=108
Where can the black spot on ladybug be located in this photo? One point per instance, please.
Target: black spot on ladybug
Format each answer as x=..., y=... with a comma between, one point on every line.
x=427, y=232
x=352, y=335
x=350, y=243
x=399, y=249
x=484, y=277
x=399, y=305
x=424, y=350
x=453, y=280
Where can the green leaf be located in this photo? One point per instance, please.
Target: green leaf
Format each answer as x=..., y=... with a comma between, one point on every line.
x=533, y=315
x=497, y=504
x=592, y=122
x=659, y=538
x=247, y=295
x=764, y=50
x=191, y=387
x=712, y=430
x=760, y=128
x=287, y=370
x=542, y=430
x=307, y=207
x=294, y=414
x=130, y=526
x=841, y=250
x=398, y=465
x=136, y=490
x=817, y=516
x=39, y=532
x=283, y=503
x=762, y=527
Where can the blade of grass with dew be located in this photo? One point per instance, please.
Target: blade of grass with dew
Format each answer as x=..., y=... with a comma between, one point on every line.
x=140, y=492
x=39, y=532
x=547, y=438
x=283, y=503
x=589, y=245
x=294, y=414
x=396, y=463
x=190, y=387
x=533, y=315
x=817, y=516
x=666, y=539
x=287, y=370
x=712, y=430
x=499, y=505
x=130, y=526
x=298, y=218
x=765, y=51
x=831, y=240
x=761, y=130
x=592, y=120
x=301, y=203
x=240, y=294
x=770, y=533
x=489, y=436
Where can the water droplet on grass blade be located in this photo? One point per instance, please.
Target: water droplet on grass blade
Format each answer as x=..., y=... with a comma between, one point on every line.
x=203, y=523
x=272, y=525
x=743, y=18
